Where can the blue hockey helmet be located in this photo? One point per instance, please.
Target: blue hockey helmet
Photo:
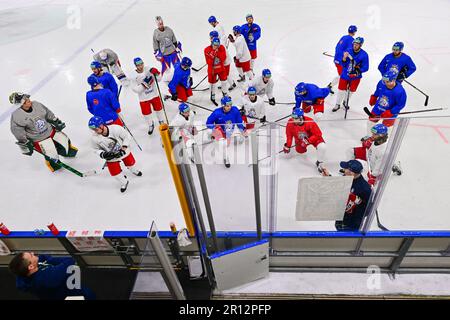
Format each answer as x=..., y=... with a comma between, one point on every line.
x=379, y=128
x=95, y=122
x=138, y=61
x=359, y=40
x=251, y=90
x=352, y=29
x=212, y=19
x=266, y=73
x=215, y=41
x=300, y=89
x=183, y=107
x=353, y=165
x=390, y=75
x=96, y=65
x=297, y=113
x=213, y=34
x=93, y=80
x=186, y=62
x=398, y=46
x=237, y=29
x=226, y=101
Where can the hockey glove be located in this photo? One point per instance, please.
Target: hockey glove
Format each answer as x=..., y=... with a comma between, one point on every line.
x=235, y=60
x=387, y=114
x=179, y=48
x=366, y=142
x=120, y=153
x=108, y=155
x=373, y=117
x=373, y=100
x=263, y=119
x=286, y=149
x=272, y=101
x=158, y=56
x=401, y=76
x=154, y=71
x=26, y=147
x=190, y=82
x=230, y=37
x=371, y=179
x=174, y=96
x=57, y=124
x=242, y=111
x=355, y=73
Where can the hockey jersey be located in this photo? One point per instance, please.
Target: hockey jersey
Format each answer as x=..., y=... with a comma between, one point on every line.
x=389, y=99
x=180, y=77
x=403, y=63
x=182, y=127
x=360, y=61
x=253, y=110
x=164, y=41
x=375, y=158
x=251, y=33
x=309, y=130
x=116, y=138
x=149, y=91
x=242, y=53
x=227, y=121
x=343, y=43
x=111, y=59
x=261, y=87
x=104, y=104
x=108, y=82
x=313, y=93
x=215, y=59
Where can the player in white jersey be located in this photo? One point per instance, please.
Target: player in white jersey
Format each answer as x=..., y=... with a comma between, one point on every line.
x=184, y=128
x=111, y=142
x=110, y=62
x=220, y=30
x=242, y=57
x=264, y=86
x=144, y=84
x=253, y=109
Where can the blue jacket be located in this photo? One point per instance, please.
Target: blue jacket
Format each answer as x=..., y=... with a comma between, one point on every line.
x=49, y=282
x=345, y=42
x=313, y=92
x=355, y=209
x=255, y=31
x=403, y=63
x=360, y=62
x=103, y=103
x=227, y=121
x=389, y=99
x=108, y=82
x=180, y=77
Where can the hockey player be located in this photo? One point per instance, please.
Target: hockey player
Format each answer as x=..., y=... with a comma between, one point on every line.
x=37, y=128
x=308, y=95
x=215, y=56
x=181, y=83
x=102, y=102
x=105, y=78
x=221, y=124
x=144, y=85
x=343, y=43
x=251, y=32
x=399, y=62
x=242, y=57
x=110, y=61
x=355, y=62
x=183, y=128
x=264, y=86
x=253, y=109
x=304, y=131
x=111, y=142
x=165, y=45
x=220, y=31
x=388, y=100
x=231, y=84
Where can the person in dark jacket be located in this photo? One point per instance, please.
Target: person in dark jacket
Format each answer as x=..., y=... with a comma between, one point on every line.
x=46, y=276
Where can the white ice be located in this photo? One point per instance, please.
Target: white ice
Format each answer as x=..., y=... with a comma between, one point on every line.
x=46, y=52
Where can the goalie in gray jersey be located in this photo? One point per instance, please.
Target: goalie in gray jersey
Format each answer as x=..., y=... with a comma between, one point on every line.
x=110, y=63
x=111, y=142
x=37, y=128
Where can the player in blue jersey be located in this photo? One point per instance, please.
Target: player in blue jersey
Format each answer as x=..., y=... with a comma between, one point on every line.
x=343, y=43
x=399, y=62
x=388, y=100
x=221, y=124
x=102, y=102
x=181, y=83
x=251, y=32
x=105, y=78
x=309, y=96
x=355, y=62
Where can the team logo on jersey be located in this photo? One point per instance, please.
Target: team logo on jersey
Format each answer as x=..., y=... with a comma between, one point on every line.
x=383, y=101
x=302, y=135
x=216, y=61
x=229, y=125
x=395, y=68
x=167, y=42
x=252, y=113
x=40, y=125
x=95, y=102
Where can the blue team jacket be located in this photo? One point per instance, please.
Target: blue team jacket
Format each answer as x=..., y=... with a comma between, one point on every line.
x=403, y=63
x=180, y=77
x=255, y=31
x=313, y=92
x=361, y=62
x=227, y=121
x=103, y=103
x=389, y=99
x=108, y=82
x=345, y=42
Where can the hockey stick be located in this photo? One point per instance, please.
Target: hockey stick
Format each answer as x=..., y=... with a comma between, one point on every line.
x=426, y=96
x=204, y=89
x=196, y=105
x=199, y=83
x=197, y=70
x=67, y=167
x=327, y=54
x=379, y=223
x=259, y=160
x=126, y=128
x=162, y=100
x=288, y=103
x=366, y=110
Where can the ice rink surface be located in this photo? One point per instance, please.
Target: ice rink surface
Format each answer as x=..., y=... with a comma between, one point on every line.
x=46, y=51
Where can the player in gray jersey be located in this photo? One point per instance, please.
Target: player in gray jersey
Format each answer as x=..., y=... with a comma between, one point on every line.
x=37, y=128
x=110, y=63
x=165, y=46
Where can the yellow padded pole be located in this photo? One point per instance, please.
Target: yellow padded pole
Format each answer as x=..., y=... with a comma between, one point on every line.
x=168, y=148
